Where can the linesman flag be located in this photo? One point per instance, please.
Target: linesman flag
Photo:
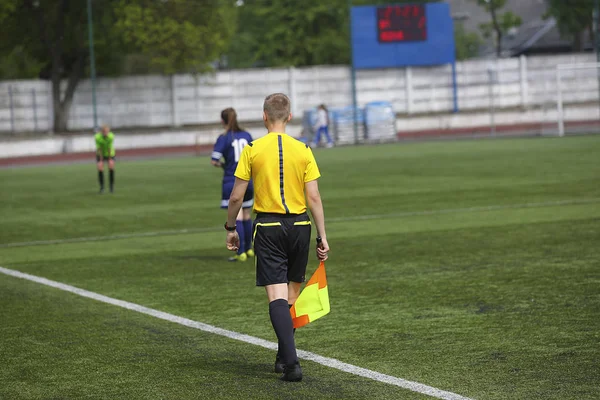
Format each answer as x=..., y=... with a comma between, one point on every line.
x=313, y=302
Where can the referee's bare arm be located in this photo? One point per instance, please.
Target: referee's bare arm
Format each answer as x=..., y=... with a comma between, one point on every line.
x=235, y=203
x=316, y=208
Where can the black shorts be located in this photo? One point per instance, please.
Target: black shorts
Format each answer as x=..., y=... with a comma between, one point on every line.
x=102, y=158
x=281, y=244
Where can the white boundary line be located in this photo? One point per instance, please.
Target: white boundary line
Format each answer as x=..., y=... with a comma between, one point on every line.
x=329, y=362
x=336, y=219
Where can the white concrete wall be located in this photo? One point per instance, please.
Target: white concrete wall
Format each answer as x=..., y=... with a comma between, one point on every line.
x=161, y=101
x=546, y=118
x=85, y=143
x=406, y=125
x=25, y=105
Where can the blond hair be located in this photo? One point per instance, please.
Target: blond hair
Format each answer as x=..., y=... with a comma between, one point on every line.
x=277, y=107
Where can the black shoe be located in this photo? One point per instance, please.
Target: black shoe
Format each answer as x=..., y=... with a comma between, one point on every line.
x=292, y=373
x=279, y=365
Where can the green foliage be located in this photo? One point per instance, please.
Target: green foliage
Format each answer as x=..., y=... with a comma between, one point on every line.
x=174, y=36
x=7, y=7
x=289, y=33
x=509, y=20
x=573, y=18
x=505, y=22
x=167, y=36
x=279, y=34
x=19, y=63
x=467, y=43
x=500, y=24
x=491, y=5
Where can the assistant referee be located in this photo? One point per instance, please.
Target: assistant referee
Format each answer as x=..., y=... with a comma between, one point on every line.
x=282, y=169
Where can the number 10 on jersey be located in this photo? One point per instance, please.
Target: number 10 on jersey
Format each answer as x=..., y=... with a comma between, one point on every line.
x=238, y=145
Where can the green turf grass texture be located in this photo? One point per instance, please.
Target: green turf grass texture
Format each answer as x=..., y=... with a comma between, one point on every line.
x=470, y=266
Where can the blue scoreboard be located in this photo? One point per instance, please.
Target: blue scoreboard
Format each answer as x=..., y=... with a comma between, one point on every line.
x=402, y=35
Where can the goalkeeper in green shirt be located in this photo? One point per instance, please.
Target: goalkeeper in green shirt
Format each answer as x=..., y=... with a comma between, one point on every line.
x=105, y=151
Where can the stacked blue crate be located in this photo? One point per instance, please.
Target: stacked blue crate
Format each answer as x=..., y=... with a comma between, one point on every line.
x=380, y=121
x=343, y=125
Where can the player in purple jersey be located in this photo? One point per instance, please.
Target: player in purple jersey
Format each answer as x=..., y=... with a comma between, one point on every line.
x=229, y=148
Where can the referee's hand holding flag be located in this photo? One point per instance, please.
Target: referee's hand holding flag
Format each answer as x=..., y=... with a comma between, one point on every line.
x=313, y=302
x=322, y=249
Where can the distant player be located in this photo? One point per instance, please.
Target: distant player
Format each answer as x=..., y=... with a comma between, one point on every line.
x=322, y=126
x=105, y=151
x=229, y=147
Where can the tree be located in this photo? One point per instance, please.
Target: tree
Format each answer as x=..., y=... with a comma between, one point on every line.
x=170, y=35
x=283, y=34
x=467, y=43
x=294, y=33
x=501, y=22
x=573, y=18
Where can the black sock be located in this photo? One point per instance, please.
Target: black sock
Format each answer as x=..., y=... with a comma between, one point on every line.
x=101, y=179
x=111, y=178
x=279, y=344
x=284, y=329
x=290, y=307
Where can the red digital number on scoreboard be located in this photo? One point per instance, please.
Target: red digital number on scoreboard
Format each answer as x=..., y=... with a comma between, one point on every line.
x=401, y=23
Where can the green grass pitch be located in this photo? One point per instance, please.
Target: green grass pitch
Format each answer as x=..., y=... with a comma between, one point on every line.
x=469, y=266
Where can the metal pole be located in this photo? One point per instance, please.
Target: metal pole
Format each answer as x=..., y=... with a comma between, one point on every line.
x=35, y=122
x=596, y=27
x=491, y=77
x=353, y=78
x=492, y=110
x=92, y=61
x=12, y=110
x=454, y=87
x=559, y=104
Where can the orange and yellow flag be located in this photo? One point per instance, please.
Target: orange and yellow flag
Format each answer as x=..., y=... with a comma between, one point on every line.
x=313, y=302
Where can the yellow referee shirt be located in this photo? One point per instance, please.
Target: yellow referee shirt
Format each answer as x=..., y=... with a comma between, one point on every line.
x=279, y=166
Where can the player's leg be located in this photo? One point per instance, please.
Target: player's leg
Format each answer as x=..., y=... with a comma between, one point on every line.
x=326, y=132
x=239, y=223
x=281, y=320
x=100, y=167
x=247, y=228
x=247, y=219
x=318, y=137
x=298, y=243
x=286, y=360
x=298, y=249
x=271, y=272
x=293, y=293
x=111, y=173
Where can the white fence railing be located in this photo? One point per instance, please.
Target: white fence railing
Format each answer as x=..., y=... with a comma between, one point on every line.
x=160, y=101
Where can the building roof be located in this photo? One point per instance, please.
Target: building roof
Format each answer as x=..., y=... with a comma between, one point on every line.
x=536, y=34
